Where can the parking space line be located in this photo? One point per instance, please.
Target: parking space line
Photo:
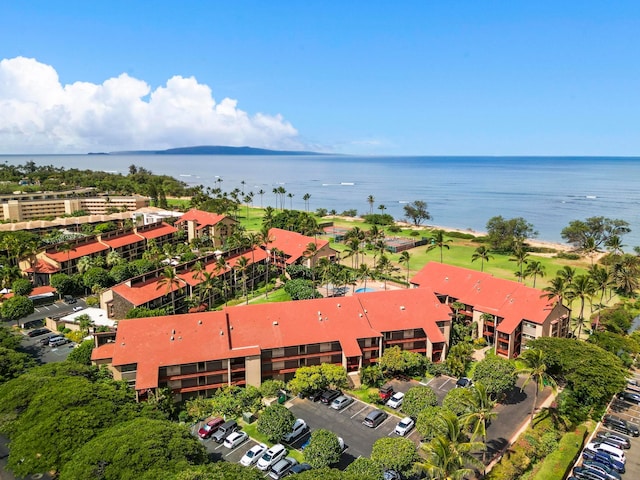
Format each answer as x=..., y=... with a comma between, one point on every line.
x=385, y=421
x=441, y=386
x=359, y=411
x=233, y=450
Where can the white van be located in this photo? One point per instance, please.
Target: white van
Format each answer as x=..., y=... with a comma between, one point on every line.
x=57, y=341
x=614, y=452
x=271, y=456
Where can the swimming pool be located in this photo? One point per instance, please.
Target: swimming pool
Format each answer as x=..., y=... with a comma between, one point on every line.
x=365, y=290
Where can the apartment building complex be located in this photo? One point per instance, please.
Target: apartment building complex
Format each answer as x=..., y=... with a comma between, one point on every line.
x=507, y=313
x=28, y=206
x=194, y=354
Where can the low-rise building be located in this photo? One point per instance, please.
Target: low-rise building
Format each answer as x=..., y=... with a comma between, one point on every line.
x=507, y=313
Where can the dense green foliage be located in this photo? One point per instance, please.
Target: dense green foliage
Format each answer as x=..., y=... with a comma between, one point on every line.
x=323, y=449
x=82, y=353
x=217, y=471
x=457, y=400
x=395, y=361
x=271, y=388
x=504, y=235
x=229, y=402
x=559, y=462
x=497, y=374
x=13, y=363
x=594, y=232
x=16, y=307
x=427, y=423
x=310, y=379
x=397, y=453
x=275, y=422
x=294, y=220
x=161, y=448
x=417, y=399
x=300, y=289
x=365, y=468
x=22, y=286
x=592, y=375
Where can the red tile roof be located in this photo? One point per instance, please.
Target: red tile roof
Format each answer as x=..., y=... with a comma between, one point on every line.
x=42, y=266
x=201, y=217
x=77, y=252
x=394, y=310
x=163, y=229
x=211, y=267
x=510, y=300
x=292, y=244
x=141, y=293
x=121, y=241
x=103, y=352
x=171, y=340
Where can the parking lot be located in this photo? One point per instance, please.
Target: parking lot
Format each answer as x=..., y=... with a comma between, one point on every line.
x=631, y=413
x=44, y=353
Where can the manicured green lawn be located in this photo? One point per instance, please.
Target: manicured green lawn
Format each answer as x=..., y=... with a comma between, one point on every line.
x=278, y=295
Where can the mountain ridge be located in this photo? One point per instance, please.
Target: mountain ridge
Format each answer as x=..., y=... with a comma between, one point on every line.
x=213, y=150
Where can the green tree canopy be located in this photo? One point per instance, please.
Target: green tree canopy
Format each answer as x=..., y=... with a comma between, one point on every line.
x=497, y=374
x=594, y=232
x=417, y=211
x=417, y=399
x=13, y=364
x=140, y=448
x=427, y=423
x=217, y=471
x=22, y=286
x=16, y=307
x=396, y=453
x=457, y=400
x=275, y=422
x=82, y=353
x=395, y=361
x=504, y=235
x=63, y=283
x=364, y=468
x=323, y=449
x=317, y=377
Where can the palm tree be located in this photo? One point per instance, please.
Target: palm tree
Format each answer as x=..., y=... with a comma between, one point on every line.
x=438, y=241
x=241, y=266
x=170, y=280
x=536, y=369
x=326, y=270
x=261, y=192
x=582, y=287
x=306, y=198
x=371, y=200
x=449, y=455
x=385, y=268
x=275, y=191
x=365, y=273
x=520, y=256
x=67, y=248
x=114, y=258
x=405, y=257
x=265, y=239
x=309, y=253
x=481, y=253
x=352, y=250
x=84, y=264
x=601, y=278
x=567, y=273
x=382, y=208
x=625, y=274
x=207, y=286
x=535, y=269
x=614, y=244
x=290, y=197
x=253, y=240
x=480, y=414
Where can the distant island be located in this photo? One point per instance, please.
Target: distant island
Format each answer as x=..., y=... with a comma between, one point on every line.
x=214, y=150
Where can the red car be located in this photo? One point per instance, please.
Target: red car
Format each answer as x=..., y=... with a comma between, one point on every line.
x=385, y=392
x=210, y=427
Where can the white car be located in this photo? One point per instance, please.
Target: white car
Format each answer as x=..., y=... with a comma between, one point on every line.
x=253, y=454
x=235, y=439
x=404, y=426
x=614, y=452
x=341, y=402
x=271, y=456
x=299, y=427
x=396, y=400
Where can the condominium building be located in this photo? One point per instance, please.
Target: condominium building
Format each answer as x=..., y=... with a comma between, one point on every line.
x=507, y=313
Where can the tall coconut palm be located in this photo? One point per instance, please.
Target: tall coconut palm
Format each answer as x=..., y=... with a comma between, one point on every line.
x=601, y=278
x=241, y=267
x=265, y=240
x=405, y=258
x=67, y=248
x=365, y=273
x=534, y=269
x=170, y=280
x=306, y=198
x=352, y=250
x=438, y=241
x=371, y=201
x=581, y=288
x=309, y=253
x=449, y=456
x=253, y=240
x=520, y=256
x=114, y=258
x=261, y=192
x=535, y=368
x=480, y=414
x=385, y=268
x=85, y=263
x=326, y=268
x=626, y=273
x=481, y=253
x=614, y=245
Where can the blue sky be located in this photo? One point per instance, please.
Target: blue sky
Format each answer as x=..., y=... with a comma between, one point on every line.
x=382, y=78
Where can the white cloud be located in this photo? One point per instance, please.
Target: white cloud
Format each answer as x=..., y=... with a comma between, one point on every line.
x=40, y=115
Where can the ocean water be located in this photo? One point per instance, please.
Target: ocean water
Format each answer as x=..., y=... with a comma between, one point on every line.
x=461, y=192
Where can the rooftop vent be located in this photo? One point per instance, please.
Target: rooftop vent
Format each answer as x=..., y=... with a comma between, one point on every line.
x=338, y=305
x=171, y=338
x=199, y=322
x=275, y=323
x=221, y=333
x=401, y=307
x=360, y=315
x=173, y=332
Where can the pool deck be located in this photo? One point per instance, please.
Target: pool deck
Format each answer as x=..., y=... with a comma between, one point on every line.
x=374, y=284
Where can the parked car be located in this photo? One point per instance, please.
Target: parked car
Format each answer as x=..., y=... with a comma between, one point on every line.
x=391, y=475
x=37, y=332
x=396, y=400
x=77, y=308
x=226, y=429
x=69, y=300
x=282, y=468
x=604, y=459
x=614, y=439
x=299, y=427
x=375, y=418
x=271, y=456
x=385, y=392
x=253, y=454
x=45, y=341
x=57, y=341
x=616, y=423
x=329, y=396
x=601, y=472
x=614, y=452
x=235, y=438
x=315, y=396
x=587, y=474
x=464, y=382
x=210, y=427
x=628, y=396
x=299, y=468
x=341, y=402
x=599, y=465
x=404, y=426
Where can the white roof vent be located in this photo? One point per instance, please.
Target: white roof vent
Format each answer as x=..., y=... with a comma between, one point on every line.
x=360, y=315
x=275, y=323
x=173, y=332
x=401, y=307
x=171, y=338
x=338, y=305
x=199, y=322
x=221, y=333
